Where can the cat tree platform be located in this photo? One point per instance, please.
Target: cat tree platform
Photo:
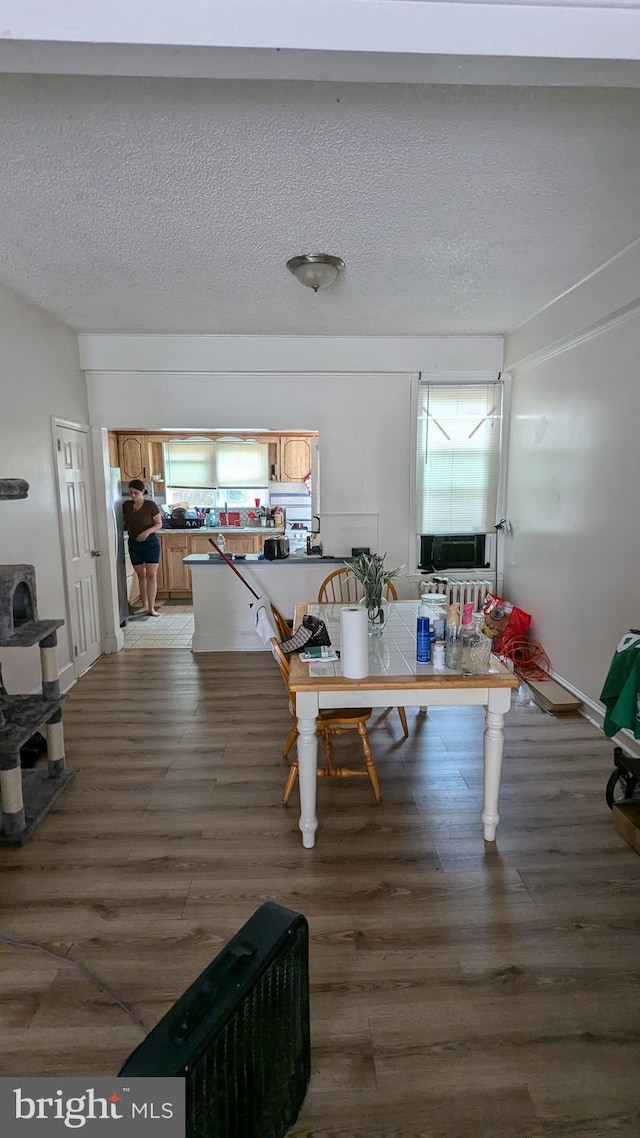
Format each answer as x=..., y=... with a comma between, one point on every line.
x=27, y=795
x=38, y=789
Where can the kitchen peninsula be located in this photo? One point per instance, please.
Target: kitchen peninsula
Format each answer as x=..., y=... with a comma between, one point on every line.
x=223, y=618
x=174, y=578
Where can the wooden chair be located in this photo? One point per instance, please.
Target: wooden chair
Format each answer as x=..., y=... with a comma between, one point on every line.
x=330, y=723
x=340, y=588
x=282, y=625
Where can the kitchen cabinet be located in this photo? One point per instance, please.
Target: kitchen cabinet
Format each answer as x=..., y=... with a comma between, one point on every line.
x=274, y=459
x=138, y=456
x=141, y=455
x=176, y=576
x=114, y=456
x=295, y=458
x=199, y=542
x=161, y=585
x=234, y=542
x=134, y=457
x=241, y=543
x=156, y=464
x=133, y=587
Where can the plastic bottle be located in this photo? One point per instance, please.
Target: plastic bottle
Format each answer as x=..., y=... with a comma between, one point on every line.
x=220, y=542
x=453, y=639
x=423, y=636
x=479, y=646
x=436, y=611
x=423, y=607
x=467, y=633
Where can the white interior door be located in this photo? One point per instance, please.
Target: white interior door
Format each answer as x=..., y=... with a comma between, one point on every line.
x=78, y=529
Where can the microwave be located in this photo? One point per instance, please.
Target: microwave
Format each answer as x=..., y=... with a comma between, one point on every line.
x=453, y=551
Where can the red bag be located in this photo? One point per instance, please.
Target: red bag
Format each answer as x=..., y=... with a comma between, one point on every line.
x=504, y=622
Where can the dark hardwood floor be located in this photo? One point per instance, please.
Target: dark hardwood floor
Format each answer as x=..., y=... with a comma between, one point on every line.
x=458, y=989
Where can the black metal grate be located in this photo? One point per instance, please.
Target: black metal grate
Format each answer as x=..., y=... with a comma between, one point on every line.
x=240, y=1034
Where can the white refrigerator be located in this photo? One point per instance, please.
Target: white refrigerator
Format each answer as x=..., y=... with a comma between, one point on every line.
x=114, y=503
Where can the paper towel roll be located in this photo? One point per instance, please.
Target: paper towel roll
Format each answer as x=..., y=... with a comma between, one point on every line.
x=354, y=642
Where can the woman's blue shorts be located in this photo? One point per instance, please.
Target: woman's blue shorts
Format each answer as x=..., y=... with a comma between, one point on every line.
x=145, y=552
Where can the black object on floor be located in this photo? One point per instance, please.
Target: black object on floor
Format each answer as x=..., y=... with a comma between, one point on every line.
x=32, y=750
x=624, y=780
x=240, y=1034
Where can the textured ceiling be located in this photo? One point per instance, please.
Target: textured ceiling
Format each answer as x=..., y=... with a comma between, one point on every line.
x=151, y=205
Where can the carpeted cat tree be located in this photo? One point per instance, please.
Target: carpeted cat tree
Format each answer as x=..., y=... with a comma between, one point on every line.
x=27, y=795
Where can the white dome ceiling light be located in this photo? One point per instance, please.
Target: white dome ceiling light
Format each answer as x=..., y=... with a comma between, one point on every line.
x=315, y=270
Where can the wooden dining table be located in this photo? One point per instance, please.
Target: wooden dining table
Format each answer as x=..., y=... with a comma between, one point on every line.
x=395, y=680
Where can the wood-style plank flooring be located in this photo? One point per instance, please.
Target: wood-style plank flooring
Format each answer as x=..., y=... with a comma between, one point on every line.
x=458, y=989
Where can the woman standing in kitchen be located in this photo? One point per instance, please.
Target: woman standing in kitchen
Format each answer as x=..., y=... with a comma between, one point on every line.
x=143, y=520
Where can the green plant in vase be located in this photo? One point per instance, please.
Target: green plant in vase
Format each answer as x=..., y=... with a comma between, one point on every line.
x=369, y=569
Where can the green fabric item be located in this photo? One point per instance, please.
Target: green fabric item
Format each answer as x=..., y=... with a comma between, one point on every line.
x=621, y=691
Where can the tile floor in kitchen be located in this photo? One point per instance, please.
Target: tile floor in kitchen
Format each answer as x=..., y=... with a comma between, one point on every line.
x=172, y=629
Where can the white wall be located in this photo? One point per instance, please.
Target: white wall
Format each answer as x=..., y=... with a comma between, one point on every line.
x=573, y=559
x=40, y=377
x=505, y=27
x=364, y=424
x=358, y=393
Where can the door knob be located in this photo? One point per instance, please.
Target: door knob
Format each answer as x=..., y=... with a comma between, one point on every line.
x=96, y=553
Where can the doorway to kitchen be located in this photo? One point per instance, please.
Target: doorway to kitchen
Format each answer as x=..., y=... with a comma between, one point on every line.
x=172, y=629
x=246, y=486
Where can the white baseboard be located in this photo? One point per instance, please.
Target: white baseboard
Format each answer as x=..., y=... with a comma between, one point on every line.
x=594, y=713
x=67, y=677
x=113, y=642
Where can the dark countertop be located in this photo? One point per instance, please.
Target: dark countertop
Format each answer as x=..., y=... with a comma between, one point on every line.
x=211, y=531
x=253, y=559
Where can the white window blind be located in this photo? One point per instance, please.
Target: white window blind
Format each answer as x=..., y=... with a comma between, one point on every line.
x=242, y=464
x=458, y=457
x=190, y=464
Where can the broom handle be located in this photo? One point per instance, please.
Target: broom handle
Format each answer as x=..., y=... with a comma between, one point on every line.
x=232, y=566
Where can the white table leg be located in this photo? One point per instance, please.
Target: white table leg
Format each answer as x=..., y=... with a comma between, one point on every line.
x=499, y=703
x=308, y=765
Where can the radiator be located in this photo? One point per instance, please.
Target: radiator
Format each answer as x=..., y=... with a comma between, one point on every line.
x=240, y=1034
x=460, y=592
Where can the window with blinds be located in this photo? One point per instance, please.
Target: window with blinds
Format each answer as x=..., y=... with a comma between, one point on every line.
x=190, y=464
x=242, y=464
x=458, y=456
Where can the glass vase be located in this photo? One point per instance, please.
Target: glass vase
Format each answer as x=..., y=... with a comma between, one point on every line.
x=377, y=613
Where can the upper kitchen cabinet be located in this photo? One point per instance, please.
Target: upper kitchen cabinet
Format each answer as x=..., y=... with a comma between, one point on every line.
x=134, y=457
x=140, y=456
x=114, y=457
x=295, y=458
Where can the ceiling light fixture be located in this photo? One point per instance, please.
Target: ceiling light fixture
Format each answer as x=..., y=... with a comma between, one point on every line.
x=315, y=270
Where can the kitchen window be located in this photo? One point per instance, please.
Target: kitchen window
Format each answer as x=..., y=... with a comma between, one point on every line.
x=190, y=464
x=225, y=473
x=458, y=456
x=241, y=464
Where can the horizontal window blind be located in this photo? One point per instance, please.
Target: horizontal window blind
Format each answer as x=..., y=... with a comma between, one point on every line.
x=190, y=464
x=458, y=457
x=242, y=464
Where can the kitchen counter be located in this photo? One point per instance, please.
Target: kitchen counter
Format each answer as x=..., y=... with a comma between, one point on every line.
x=223, y=610
x=174, y=576
x=211, y=531
x=253, y=559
